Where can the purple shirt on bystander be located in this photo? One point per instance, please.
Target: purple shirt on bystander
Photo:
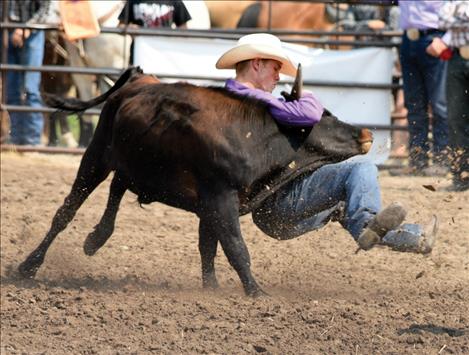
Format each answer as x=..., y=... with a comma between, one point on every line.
x=421, y=14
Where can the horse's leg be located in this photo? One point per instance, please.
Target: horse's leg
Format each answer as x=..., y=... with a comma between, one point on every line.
x=208, y=243
x=103, y=230
x=93, y=170
x=219, y=206
x=52, y=132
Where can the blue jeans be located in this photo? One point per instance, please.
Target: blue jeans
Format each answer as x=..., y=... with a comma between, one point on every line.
x=424, y=83
x=457, y=85
x=308, y=203
x=23, y=89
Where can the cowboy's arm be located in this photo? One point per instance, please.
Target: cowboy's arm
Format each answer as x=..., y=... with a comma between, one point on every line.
x=304, y=112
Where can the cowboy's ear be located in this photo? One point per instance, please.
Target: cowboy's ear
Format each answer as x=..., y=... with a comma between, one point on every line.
x=255, y=63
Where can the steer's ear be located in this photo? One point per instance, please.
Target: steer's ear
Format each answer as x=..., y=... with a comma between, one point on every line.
x=297, y=88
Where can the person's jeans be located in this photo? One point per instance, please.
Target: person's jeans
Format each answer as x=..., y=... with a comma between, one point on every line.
x=424, y=84
x=457, y=85
x=308, y=203
x=23, y=89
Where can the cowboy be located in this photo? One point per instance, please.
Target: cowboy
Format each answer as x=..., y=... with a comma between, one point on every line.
x=349, y=190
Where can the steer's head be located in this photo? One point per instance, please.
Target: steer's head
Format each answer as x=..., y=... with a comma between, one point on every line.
x=338, y=140
x=330, y=137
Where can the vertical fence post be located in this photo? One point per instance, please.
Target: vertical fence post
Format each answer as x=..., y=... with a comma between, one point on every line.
x=126, y=55
x=269, y=22
x=4, y=48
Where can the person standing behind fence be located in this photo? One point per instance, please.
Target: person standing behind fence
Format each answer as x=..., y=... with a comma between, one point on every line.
x=25, y=47
x=154, y=14
x=424, y=78
x=454, y=45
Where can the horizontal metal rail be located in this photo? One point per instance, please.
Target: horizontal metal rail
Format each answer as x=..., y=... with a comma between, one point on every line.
x=232, y=33
x=40, y=149
x=388, y=39
x=81, y=151
x=61, y=69
x=44, y=109
x=113, y=71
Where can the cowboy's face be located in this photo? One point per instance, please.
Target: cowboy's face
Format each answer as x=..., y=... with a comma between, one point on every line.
x=267, y=73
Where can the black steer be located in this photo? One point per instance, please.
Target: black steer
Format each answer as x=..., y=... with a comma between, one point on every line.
x=201, y=149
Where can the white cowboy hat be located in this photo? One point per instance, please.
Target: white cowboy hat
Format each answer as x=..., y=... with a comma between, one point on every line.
x=257, y=45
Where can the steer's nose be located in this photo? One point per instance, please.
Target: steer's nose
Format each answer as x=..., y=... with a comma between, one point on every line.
x=365, y=140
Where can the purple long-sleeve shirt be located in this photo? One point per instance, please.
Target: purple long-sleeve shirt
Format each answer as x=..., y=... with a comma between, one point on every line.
x=304, y=112
x=420, y=14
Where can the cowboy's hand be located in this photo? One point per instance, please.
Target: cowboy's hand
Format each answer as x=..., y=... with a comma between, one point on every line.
x=288, y=97
x=436, y=47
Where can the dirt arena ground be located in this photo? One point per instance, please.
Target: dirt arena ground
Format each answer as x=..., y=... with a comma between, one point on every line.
x=142, y=293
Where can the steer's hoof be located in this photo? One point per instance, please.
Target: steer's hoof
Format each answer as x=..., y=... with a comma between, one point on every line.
x=29, y=267
x=210, y=284
x=26, y=271
x=94, y=241
x=89, y=247
x=257, y=293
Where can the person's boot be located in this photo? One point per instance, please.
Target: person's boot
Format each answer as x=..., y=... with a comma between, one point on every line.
x=418, y=163
x=413, y=238
x=68, y=140
x=441, y=164
x=386, y=220
x=460, y=170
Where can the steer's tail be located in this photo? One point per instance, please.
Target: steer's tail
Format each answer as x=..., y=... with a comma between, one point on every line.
x=76, y=105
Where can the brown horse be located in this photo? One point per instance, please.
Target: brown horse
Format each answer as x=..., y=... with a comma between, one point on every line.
x=288, y=15
x=226, y=14
x=296, y=16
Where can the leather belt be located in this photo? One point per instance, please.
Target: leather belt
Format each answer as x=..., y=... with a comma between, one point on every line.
x=414, y=33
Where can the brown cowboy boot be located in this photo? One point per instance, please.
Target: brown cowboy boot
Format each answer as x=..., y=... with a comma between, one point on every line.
x=386, y=220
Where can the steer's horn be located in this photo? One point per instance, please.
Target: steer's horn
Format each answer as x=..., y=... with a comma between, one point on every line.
x=297, y=88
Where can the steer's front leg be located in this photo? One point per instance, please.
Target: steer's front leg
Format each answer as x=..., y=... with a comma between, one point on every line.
x=208, y=243
x=219, y=208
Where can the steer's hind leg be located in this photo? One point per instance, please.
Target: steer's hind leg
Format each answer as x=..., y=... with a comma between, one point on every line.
x=91, y=173
x=208, y=243
x=103, y=230
x=219, y=207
